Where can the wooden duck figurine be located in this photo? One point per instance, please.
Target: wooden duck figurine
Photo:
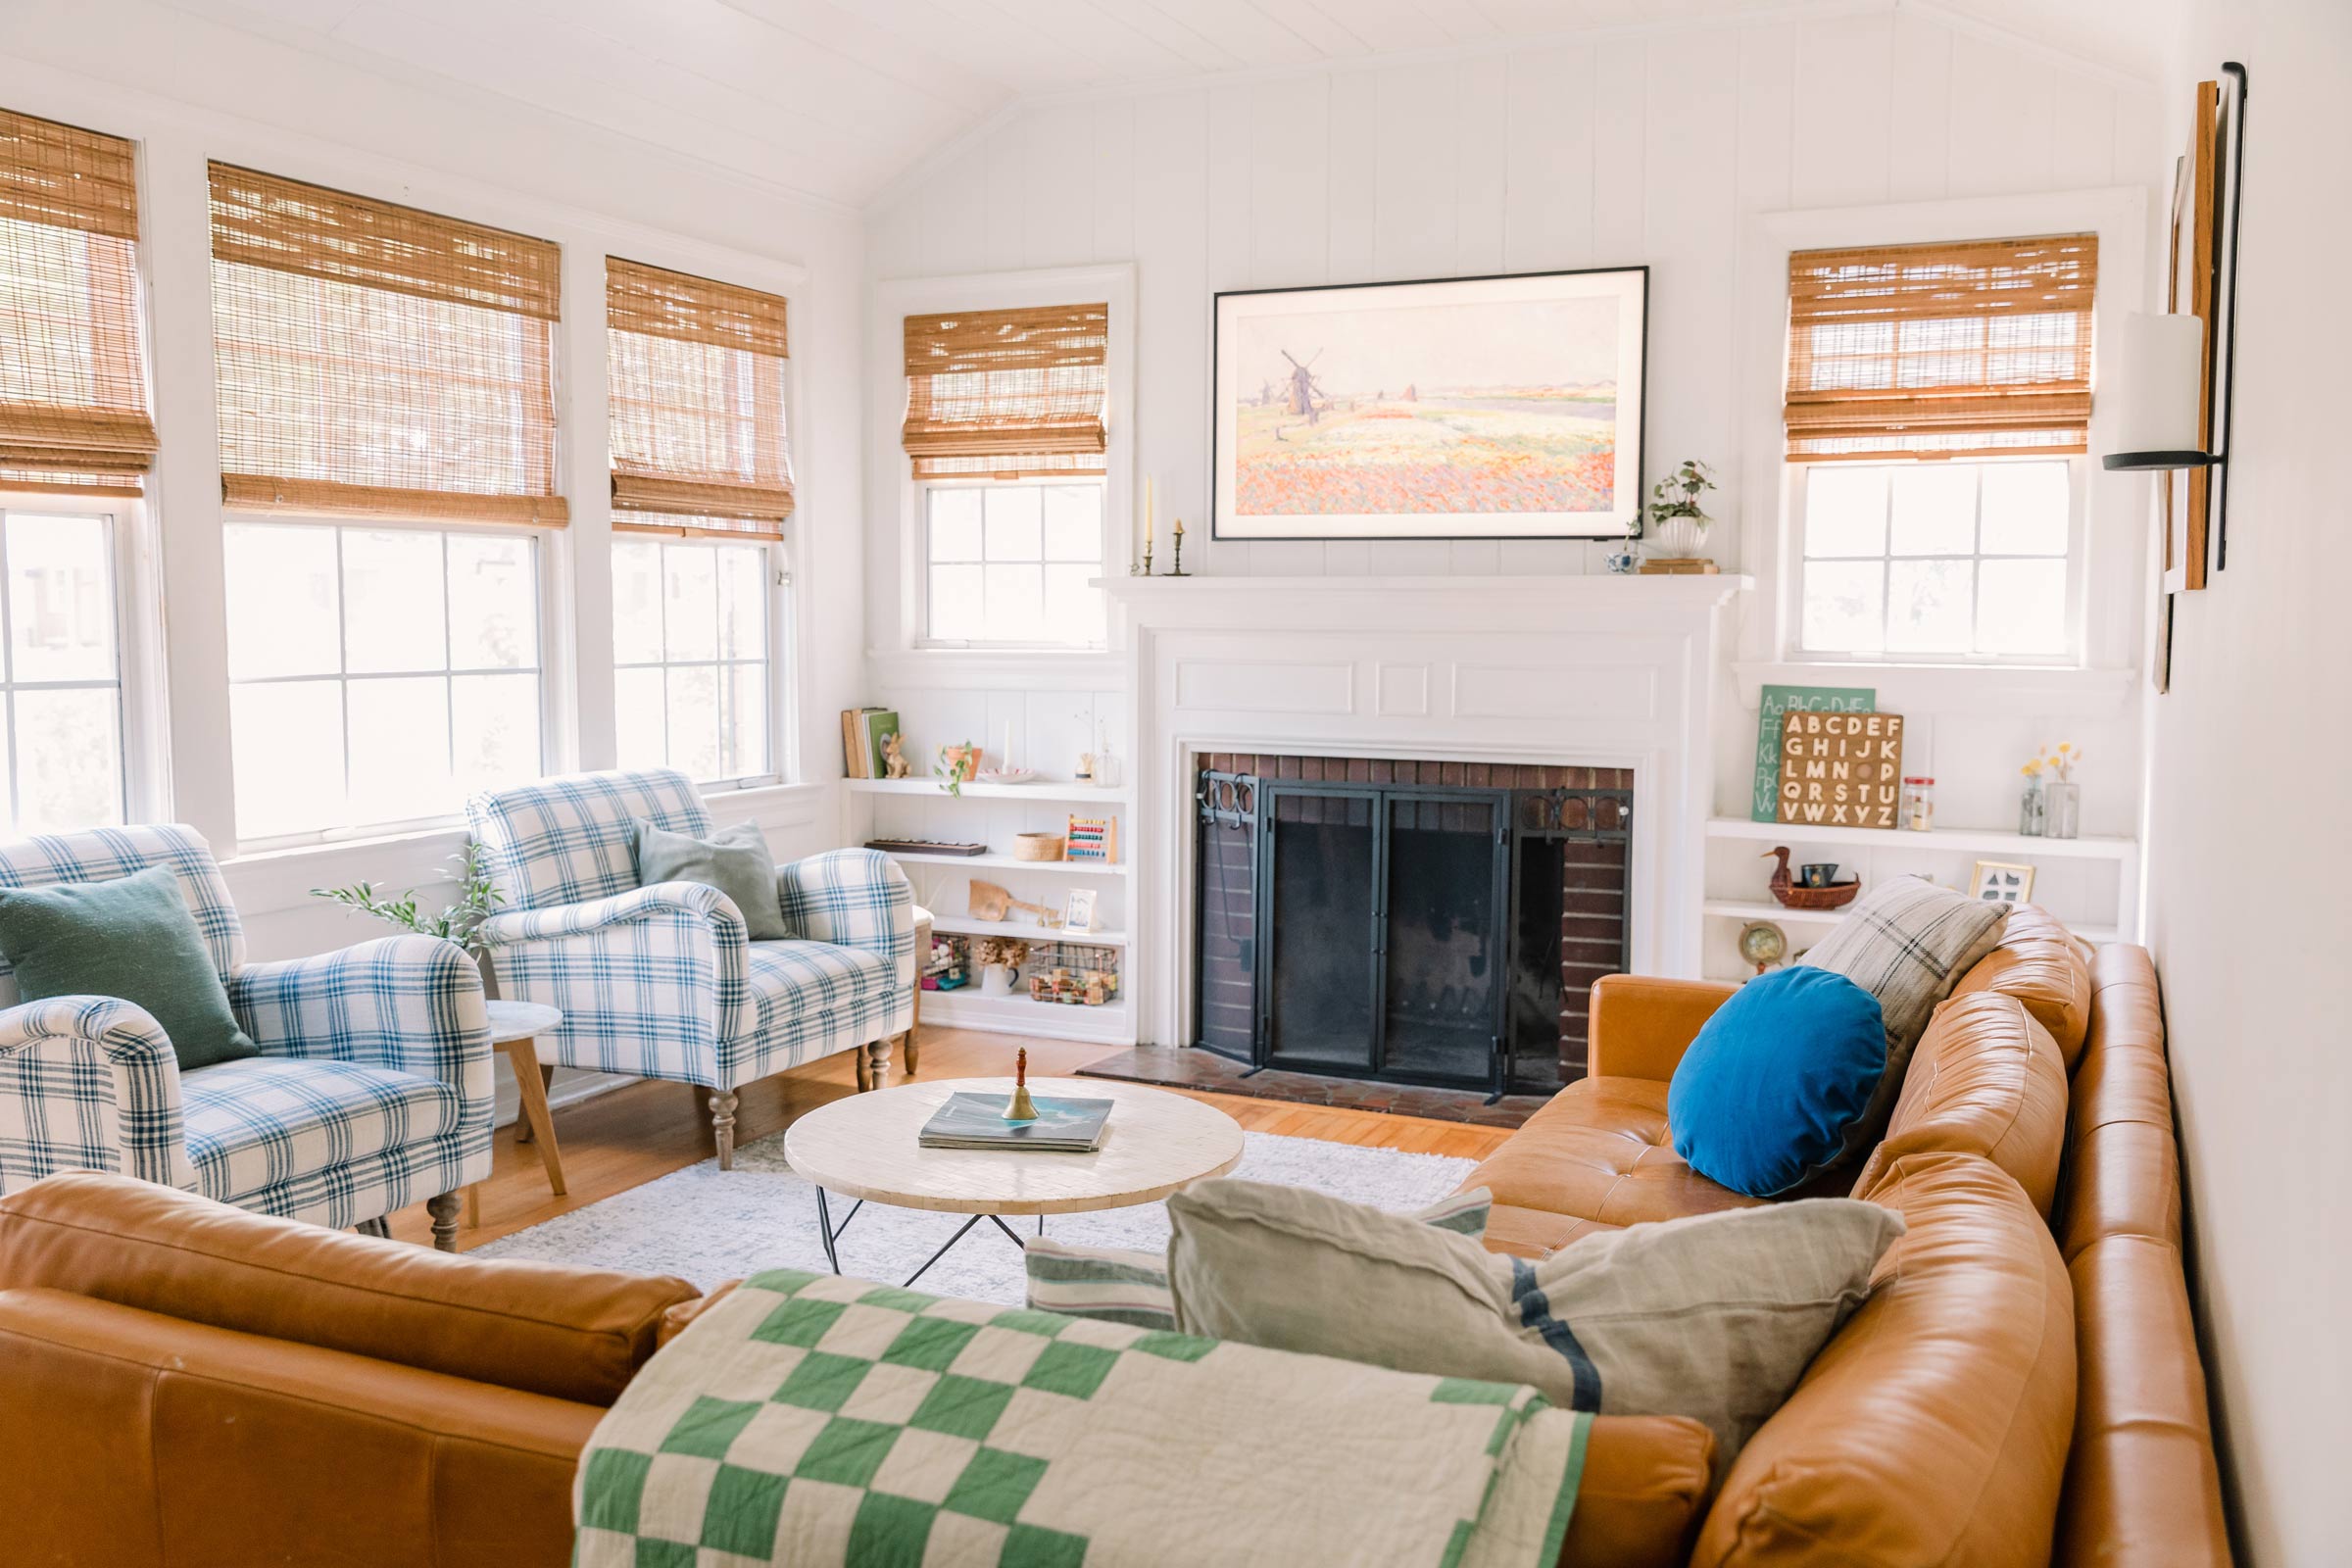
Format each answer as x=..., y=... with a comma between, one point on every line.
x=1784, y=888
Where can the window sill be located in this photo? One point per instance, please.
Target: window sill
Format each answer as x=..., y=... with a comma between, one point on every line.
x=981, y=668
x=274, y=881
x=1991, y=690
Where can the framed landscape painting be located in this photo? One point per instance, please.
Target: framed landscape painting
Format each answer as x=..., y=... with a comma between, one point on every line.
x=1477, y=408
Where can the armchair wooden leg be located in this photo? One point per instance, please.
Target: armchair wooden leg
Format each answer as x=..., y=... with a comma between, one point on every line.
x=912, y=1028
x=866, y=1072
x=443, y=1207
x=722, y=1126
x=877, y=1062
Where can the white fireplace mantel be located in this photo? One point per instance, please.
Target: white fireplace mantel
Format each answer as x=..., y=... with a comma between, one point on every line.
x=1597, y=671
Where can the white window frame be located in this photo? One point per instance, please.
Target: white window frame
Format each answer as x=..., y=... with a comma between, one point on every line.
x=893, y=302
x=2077, y=481
x=782, y=706
x=138, y=645
x=2107, y=539
x=545, y=582
x=922, y=638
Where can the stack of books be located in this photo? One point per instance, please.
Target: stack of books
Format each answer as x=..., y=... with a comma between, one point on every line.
x=977, y=1121
x=861, y=732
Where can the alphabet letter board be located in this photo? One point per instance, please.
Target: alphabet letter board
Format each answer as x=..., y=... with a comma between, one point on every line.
x=1841, y=769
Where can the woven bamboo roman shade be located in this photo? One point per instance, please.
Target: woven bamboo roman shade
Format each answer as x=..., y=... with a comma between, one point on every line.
x=377, y=360
x=73, y=416
x=1001, y=394
x=1966, y=349
x=696, y=375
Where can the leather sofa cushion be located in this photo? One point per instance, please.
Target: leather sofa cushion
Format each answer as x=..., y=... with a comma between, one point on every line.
x=1599, y=1150
x=2142, y=1483
x=1640, y=1024
x=133, y=1440
x=2124, y=1174
x=1646, y=1478
x=1933, y=1428
x=2040, y=963
x=1987, y=1079
x=569, y=1332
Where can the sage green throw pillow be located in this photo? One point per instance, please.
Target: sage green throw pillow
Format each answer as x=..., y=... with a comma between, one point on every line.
x=1713, y=1318
x=131, y=938
x=734, y=860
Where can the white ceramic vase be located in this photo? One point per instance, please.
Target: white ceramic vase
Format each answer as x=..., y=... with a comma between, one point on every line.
x=1680, y=537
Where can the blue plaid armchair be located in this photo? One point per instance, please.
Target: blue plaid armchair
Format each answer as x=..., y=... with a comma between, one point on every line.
x=662, y=981
x=373, y=1088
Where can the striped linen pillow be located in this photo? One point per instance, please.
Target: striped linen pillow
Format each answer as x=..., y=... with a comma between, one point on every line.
x=1129, y=1285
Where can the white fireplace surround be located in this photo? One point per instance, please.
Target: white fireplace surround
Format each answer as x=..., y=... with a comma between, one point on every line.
x=1596, y=671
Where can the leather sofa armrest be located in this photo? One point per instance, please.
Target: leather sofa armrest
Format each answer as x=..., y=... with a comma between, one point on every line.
x=542, y=1328
x=1640, y=1025
x=133, y=1440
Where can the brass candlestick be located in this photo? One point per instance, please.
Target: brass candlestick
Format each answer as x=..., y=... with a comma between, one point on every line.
x=1178, y=570
x=1146, y=569
x=1021, y=1107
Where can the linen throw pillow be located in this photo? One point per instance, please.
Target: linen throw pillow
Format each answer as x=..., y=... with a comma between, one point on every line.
x=132, y=937
x=734, y=860
x=1714, y=1317
x=1907, y=941
x=1763, y=1099
x=1130, y=1284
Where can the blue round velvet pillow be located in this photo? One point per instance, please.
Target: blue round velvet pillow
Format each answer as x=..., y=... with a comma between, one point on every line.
x=1762, y=1101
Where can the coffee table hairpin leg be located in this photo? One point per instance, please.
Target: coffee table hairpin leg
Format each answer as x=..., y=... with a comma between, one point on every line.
x=832, y=1234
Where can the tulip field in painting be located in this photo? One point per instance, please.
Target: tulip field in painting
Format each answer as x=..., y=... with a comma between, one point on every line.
x=1391, y=415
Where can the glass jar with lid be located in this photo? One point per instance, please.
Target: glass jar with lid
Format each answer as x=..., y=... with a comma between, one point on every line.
x=1919, y=803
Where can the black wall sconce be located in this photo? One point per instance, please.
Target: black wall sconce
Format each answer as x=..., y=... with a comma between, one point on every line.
x=2163, y=373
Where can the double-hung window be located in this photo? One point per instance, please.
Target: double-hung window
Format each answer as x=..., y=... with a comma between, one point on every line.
x=1938, y=405
x=1005, y=428
x=75, y=442
x=386, y=395
x=702, y=490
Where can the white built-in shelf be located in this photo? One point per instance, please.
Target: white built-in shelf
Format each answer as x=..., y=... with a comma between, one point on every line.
x=967, y=1008
x=1957, y=840
x=964, y=925
x=1744, y=910
x=1045, y=789
x=1008, y=862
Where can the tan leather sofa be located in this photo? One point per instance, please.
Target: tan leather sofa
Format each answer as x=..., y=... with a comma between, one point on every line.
x=189, y=1386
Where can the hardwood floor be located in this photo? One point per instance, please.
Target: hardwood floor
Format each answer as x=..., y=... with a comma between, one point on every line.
x=631, y=1136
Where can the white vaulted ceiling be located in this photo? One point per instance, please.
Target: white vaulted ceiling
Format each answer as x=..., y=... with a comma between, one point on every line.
x=835, y=98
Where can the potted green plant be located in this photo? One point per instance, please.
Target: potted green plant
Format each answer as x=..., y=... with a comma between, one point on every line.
x=1680, y=523
x=460, y=922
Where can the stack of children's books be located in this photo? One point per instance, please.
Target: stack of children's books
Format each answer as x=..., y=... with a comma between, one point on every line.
x=861, y=732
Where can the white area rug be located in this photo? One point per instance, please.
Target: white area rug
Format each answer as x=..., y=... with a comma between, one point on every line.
x=710, y=1226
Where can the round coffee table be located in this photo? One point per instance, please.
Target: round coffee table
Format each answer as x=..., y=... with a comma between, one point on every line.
x=864, y=1147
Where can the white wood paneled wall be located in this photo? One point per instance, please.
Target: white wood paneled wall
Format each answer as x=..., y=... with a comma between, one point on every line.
x=1635, y=148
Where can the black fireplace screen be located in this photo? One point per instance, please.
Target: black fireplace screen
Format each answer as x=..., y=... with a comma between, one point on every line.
x=1412, y=933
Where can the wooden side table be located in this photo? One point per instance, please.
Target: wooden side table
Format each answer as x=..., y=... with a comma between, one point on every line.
x=514, y=1028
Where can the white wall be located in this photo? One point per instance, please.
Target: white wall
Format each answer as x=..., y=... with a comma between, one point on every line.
x=187, y=90
x=1640, y=146
x=2250, y=840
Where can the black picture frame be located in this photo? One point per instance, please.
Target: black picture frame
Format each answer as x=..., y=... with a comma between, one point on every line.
x=1623, y=522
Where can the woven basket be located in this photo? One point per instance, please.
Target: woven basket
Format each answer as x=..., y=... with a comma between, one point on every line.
x=1037, y=846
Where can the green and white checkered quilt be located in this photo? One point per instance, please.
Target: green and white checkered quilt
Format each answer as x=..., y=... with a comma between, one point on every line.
x=813, y=1419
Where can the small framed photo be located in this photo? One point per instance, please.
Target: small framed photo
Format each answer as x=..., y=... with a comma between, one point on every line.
x=1078, y=911
x=2002, y=882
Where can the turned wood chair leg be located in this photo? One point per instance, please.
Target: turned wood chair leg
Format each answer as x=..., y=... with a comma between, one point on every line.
x=722, y=1126
x=877, y=1058
x=909, y=1044
x=443, y=1207
x=866, y=1072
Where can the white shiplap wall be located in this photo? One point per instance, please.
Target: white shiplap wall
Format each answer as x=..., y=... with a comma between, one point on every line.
x=1640, y=147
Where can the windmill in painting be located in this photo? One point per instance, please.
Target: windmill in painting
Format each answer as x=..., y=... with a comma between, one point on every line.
x=1505, y=406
